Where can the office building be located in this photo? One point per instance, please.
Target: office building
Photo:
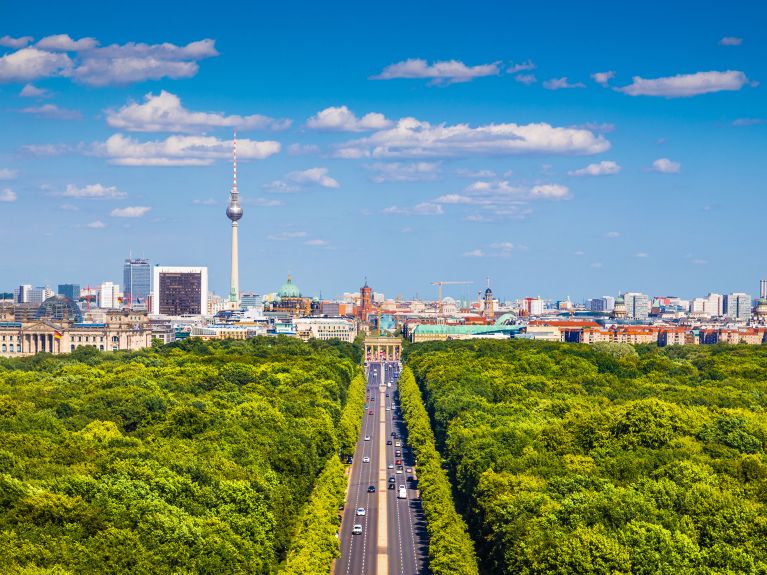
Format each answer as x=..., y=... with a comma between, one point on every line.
x=606, y=303
x=21, y=293
x=738, y=306
x=180, y=290
x=714, y=305
x=137, y=283
x=637, y=305
x=109, y=296
x=71, y=291
x=251, y=300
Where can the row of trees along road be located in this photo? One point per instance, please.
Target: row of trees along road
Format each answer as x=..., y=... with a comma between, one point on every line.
x=450, y=548
x=188, y=458
x=604, y=459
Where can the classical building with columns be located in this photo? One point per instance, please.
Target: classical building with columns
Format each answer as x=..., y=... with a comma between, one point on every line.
x=379, y=348
x=125, y=329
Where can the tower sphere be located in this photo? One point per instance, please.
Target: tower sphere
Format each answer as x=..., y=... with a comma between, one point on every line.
x=233, y=210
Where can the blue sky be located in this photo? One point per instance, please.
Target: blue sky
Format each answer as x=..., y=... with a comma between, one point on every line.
x=558, y=149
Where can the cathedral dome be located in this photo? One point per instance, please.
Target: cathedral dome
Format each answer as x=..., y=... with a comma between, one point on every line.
x=289, y=289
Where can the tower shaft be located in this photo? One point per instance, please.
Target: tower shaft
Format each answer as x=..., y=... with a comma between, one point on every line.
x=234, y=292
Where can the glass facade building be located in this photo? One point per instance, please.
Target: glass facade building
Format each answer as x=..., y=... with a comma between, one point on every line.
x=72, y=291
x=180, y=291
x=137, y=283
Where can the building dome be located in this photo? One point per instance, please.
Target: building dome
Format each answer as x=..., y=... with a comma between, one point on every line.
x=289, y=289
x=620, y=299
x=59, y=308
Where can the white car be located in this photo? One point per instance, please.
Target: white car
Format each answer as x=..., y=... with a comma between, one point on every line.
x=388, y=408
x=357, y=529
x=399, y=470
x=391, y=466
x=367, y=438
x=366, y=459
x=397, y=444
x=360, y=511
x=409, y=469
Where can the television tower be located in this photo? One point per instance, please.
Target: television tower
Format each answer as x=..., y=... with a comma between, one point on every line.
x=234, y=213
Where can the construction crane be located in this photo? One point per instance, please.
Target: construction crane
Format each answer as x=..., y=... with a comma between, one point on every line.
x=439, y=296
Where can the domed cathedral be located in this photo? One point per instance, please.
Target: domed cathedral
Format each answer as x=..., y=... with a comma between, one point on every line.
x=619, y=311
x=760, y=311
x=288, y=300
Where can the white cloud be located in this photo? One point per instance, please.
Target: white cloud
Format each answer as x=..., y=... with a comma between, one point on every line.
x=602, y=168
x=15, y=43
x=69, y=208
x=686, y=85
x=641, y=255
x=422, y=209
x=284, y=236
x=521, y=67
x=316, y=176
x=205, y=202
x=526, y=79
x=46, y=149
x=443, y=72
x=180, y=150
x=603, y=78
x=474, y=254
x=500, y=199
x=7, y=195
x=7, y=174
x=303, y=149
x=596, y=264
x=133, y=62
x=600, y=127
x=748, y=122
x=699, y=261
x=666, y=166
x=411, y=138
x=341, y=119
x=561, y=84
x=613, y=235
x=30, y=63
x=316, y=243
x=96, y=225
x=93, y=191
x=731, y=41
x=63, y=43
x=553, y=191
x=130, y=212
x=475, y=174
x=164, y=113
x=404, y=171
x=53, y=112
x=31, y=91
x=504, y=246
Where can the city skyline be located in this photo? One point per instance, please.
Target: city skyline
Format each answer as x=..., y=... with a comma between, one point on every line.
x=469, y=147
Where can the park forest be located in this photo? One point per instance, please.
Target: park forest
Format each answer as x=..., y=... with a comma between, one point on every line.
x=222, y=457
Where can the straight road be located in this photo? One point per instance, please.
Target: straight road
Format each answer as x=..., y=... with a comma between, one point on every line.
x=393, y=538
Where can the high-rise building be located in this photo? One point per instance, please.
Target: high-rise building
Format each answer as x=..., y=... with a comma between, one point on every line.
x=714, y=305
x=21, y=293
x=109, y=296
x=72, y=291
x=37, y=295
x=234, y=213
x=251, y=300
x=137, y=282
x=637, y=305
x=738, y=306
x=604, y=303
x=762, y=289
x=180, y=290
x=533, y=306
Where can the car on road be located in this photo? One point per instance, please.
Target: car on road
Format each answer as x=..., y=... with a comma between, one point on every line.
x=397, y=453
x=402, y=492
x=391, y=486
x=399, y=470
x=388, y=442
x=391, y=479
x=367, y=438
x=366, y=459
x=397, y=462
x=388, y=408
x=397, y=444
x=390, y=466
x=360, y=511
x=370, y=412
x=371, y=489
x=409, y=470
x=357, y=529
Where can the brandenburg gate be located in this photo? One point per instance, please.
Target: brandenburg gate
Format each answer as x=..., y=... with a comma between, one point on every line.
x=378, y=348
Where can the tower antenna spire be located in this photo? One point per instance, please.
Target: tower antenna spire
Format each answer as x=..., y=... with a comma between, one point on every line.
x=234, y=163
